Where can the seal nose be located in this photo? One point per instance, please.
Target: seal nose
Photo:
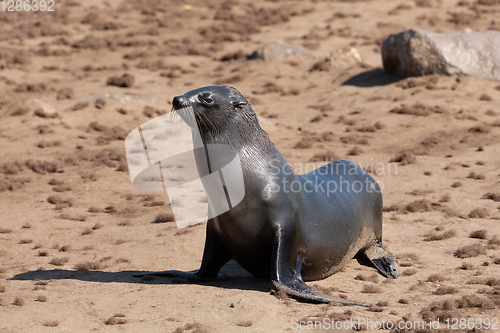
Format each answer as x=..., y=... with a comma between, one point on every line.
x=178, y=102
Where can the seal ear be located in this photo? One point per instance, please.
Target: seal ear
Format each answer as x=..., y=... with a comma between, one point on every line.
x=238, y=103
x=237, y=98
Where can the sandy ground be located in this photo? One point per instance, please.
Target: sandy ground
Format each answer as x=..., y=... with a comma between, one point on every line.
x=73, y=229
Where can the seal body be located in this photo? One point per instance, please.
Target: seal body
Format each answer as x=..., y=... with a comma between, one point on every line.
x=326, y=225
x=288, y=227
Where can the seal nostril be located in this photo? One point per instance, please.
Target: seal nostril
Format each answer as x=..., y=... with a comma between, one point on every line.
x=178, y=102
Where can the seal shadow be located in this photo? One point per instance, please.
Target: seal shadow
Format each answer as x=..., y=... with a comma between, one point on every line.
x=231, y=276
x=372, y=78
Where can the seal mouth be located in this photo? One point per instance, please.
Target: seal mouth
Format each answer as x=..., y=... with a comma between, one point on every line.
x=182, y=107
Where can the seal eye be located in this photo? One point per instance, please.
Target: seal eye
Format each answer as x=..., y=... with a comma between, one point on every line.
x=206, y=99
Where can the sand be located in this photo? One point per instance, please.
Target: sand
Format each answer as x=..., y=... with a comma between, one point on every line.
x=73, y=229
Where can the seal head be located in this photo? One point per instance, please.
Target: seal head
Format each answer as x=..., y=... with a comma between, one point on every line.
x=217, y=108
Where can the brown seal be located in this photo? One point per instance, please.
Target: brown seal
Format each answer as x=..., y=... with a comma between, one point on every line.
x=289, y=227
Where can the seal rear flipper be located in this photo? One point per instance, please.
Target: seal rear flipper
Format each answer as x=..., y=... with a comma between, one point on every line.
x=383, y=260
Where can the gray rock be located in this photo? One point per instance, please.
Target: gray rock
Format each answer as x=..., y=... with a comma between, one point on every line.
x=418, y=52
x=279, y=50
x=42, y=108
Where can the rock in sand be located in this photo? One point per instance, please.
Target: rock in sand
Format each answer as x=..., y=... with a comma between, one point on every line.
x=417, y=52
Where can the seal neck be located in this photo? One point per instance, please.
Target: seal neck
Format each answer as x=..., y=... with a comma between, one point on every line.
x=250, y=141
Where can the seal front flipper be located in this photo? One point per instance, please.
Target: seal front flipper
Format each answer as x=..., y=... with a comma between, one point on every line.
x=215, y=255
x=292, y=283
x=382, y=259
x=296, y=287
